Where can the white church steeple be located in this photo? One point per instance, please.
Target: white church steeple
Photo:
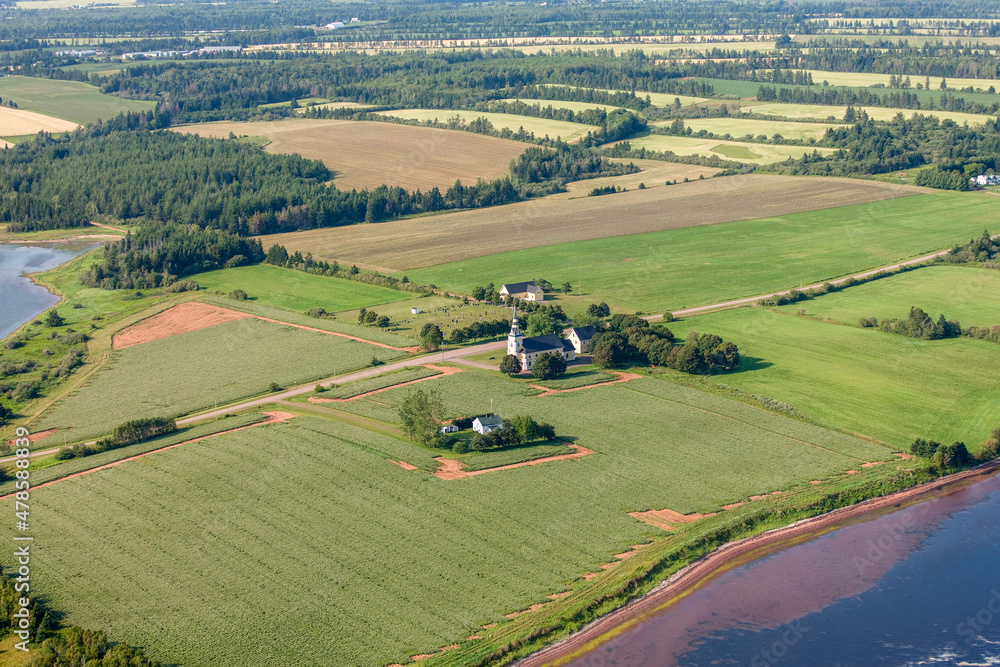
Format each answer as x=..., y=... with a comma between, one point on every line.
x=514, y=337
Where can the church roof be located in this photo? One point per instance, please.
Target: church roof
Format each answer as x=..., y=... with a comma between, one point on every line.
x=517, y=288
x=548, y=343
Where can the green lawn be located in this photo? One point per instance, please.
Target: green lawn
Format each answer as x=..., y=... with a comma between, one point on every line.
x=694, y=266
x=971, y=296
x=72, y=100
x=379, y=563
x=296, y=290
x=190, y=371
x=540, y=126
x=883, y=385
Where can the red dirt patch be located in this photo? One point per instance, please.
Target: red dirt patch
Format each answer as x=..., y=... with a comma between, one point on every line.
x=273, y=417
x=815, y=481
x=443, y=371
x=559, y=596
x=903, y=456
x=404, y=465
x=622, y=377
x=663, y=519
x=35, y=437
x=194, y=315
x=533, y=607
x=852, y=472
x=418, y=658
x=455, y=469
x=731, y=506
x=182, y=318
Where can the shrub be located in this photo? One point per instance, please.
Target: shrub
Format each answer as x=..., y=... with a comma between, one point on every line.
x=460, y=446
x=183, y=286
x=868, y=322
x=317, y=312
x=54, y=319
x=74, y=338
x=274, y=386
x=548, y=366
x=238, y=295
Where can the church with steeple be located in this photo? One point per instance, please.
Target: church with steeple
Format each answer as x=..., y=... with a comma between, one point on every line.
x=527, y=349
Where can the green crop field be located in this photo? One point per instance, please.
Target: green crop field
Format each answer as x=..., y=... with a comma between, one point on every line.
x=578, y=376
x=297, y=290
x=484, y=460
x=883, y=385
x=820, y=111
x=742, y=152
x=183, y=373
x=540, y=126
x=740, y=127
x=971, y=296
x=352, y=389
x=562, y=104
x=695, y=266
x=71, y=100
x=448, y=314
x=322, y=546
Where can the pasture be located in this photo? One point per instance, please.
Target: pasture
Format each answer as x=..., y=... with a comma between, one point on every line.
x=476, y=548
x=365, y=154
x=73, y=101
x=405, y=244
x=16, y=122
x=804, y=111
x=971, y=296
x=542, y=127
x=296, y=290
x=184, y=373
x=447, y=313
x=740, y=127
x=728, y=150
x=886, y=386
x=693, y=266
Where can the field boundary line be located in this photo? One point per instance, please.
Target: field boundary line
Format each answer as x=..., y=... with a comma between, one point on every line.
x=455, y=469
x=760, y=428
x=274, y=417
x=621, y=377
x=442, y=372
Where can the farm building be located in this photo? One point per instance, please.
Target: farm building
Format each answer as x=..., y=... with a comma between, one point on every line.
x=528, y=291
x=580, y=337
x=527, y=349
x=449, y=428
x=415, y=311
x=984, y=179
x=335, y=25
x=486, y=424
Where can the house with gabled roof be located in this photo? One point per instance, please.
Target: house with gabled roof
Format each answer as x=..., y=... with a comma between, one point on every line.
x=486, y=424
x=527, y=291
x=528, y=349
x=581, y=337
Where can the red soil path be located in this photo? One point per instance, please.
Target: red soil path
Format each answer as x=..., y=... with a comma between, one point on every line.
x=665, y=519
x=455, y=469
x=273, y=417
x=192, y=316
x=622, y=377
x=35, y=437
x=442, y=371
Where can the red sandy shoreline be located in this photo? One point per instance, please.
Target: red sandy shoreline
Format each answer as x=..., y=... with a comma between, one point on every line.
x=719, y=561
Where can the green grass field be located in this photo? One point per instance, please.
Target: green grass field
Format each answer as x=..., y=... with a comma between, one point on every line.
x=352, y=389
x=740, y=127
x=742, y=152
x=969, y=295
x=561, y=104
x=657, y=99
x=540, y=126
x=296, y=290
x=184, y=373
x=577, y=376
x=695, y=266
x=348, y=559
x=71, y=100
x=886, y=386
x=448, y=314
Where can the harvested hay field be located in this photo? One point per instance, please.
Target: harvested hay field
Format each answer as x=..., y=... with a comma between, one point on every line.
x=182, y=318
x=654, y=173
x=18, y=121
x=364, y=154
x=419, y=242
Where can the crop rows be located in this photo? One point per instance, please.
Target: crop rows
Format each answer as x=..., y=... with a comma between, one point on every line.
x=379, y=382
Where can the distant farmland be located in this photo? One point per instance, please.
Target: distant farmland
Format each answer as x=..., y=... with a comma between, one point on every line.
x=71, y=100
x=369, y=154
x=728, y=150
x=679, y=268
x=418, y=242
x=18, y=122
x=569, y=132
x=739, y=127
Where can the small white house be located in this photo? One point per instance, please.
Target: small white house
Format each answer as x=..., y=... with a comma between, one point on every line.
x=528, y=291
x=415, y=311
x=580, y=337
x=449, y=428
x=486, y=424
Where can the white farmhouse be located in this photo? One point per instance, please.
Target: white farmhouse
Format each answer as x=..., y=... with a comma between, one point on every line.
x=486, y=424
x=528, y=291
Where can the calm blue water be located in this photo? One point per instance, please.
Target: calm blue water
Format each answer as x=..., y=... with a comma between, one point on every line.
x=20, y=299
x=920, y=586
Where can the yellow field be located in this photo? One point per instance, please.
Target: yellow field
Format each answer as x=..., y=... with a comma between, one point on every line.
x=729, y=150
x=655, y=173
x=561, y=104
x=14, y=122
x=864, y=79
x=877, y=113
x=739, y=127
x=418, y=242
x=365, y=154
x=658, y=99
x=570, y=132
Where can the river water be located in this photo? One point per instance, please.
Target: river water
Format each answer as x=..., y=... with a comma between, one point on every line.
x=919, y=586
x=20, y=299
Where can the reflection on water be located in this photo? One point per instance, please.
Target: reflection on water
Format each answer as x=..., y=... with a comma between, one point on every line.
x=20, y=299
x=919, y=586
